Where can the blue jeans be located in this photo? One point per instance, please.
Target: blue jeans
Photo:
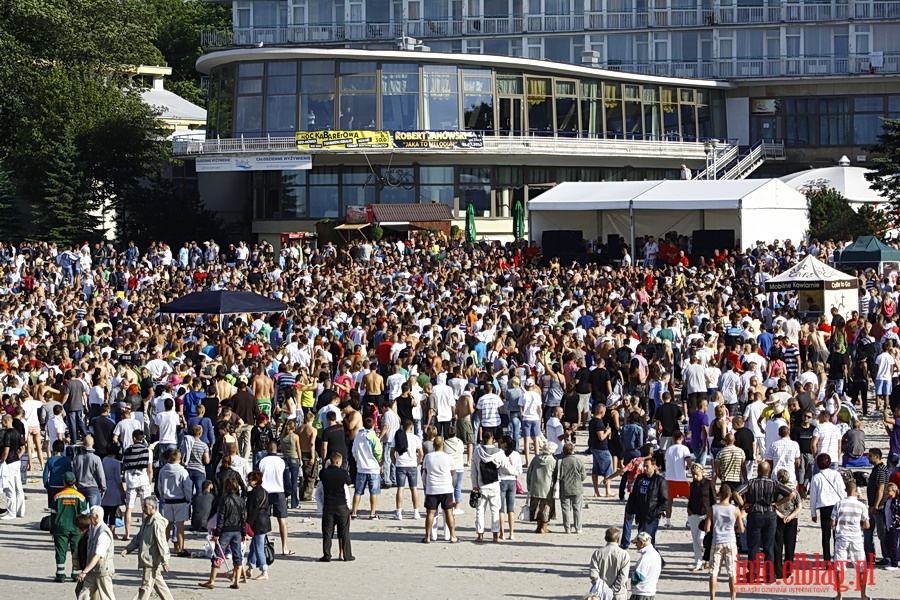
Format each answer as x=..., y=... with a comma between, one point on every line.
x=256, y=554
x=197, y=478
x=230, y=539
x=258, y=456
x=761, y=534
x=292, y=479
x=877, y=525
x=457, y=486
x=515, y=428
x=92, y=495
x=700, y=457
x=650, y=527
x=75, y=423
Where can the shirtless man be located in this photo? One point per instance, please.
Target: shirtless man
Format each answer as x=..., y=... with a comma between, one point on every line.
x=308, y=460
x=352, y=418
x=464, y=409
x=263, y=389
x=373, y=386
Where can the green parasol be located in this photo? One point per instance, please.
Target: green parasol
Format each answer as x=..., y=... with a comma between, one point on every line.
x=518, y=220
x=470, y=224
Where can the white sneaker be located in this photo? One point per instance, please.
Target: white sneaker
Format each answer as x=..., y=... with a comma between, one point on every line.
x=458, y=511
x=668, y=523
x=416, y=515
x=398, y=515
x=7, y=517
x=890, y=568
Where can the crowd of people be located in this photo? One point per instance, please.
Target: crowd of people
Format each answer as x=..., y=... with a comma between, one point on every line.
x=428, y=358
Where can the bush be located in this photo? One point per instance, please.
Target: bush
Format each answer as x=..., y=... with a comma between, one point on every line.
x=377, y=233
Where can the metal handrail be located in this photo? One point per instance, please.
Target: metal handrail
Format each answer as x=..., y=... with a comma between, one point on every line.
x=492, y=144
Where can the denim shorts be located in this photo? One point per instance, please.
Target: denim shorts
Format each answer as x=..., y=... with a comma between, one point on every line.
x=531, y=429
x=883, y=387
x=602, y=464
x=370, y=480
x=407, y=476
x=507, y=495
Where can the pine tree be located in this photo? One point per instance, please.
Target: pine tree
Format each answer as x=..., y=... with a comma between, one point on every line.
x=66, y=200
x=885, y=175
x=9, y=207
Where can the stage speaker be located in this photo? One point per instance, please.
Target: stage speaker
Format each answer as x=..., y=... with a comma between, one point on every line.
x=614, y=245
x=561, y=241
x=704, y=241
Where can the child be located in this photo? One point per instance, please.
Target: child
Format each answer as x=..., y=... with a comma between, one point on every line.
x=892, y=523
x=201, y=506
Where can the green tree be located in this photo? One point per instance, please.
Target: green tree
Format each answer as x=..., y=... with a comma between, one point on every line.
x=9, y=207
x=830, y=215
x=156, y=210
x=178, y=27
x=884, y=177
x=69, y=207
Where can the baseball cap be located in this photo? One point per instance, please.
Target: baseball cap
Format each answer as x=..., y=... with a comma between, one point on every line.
x=529, y=382
x=69, y=478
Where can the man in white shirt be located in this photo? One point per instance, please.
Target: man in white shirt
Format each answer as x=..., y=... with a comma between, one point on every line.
x=774, y=425
x=125, y=427
x=695, y=379
x=406, y=465
x=826, y=439
x=647, y=569
x=167, y=424
x=678, y=465
x=884, y=372
x=556, y=433
x=784, y=454
x=159, y=369
x=272, y=468
x=751, y=416
x=32, y=422
x=440, y=405
x=530, y=405
x=730, y=386
x=394, y=383
x=489, y=406
x=439, y=473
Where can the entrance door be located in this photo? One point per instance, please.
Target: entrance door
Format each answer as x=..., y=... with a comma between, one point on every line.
x=512, y=117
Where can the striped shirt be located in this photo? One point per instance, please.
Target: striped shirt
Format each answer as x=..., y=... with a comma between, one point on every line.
x=729, y=460
x=759, y=494
x=134, y=466
x=849, y=514
x=791, y=357
x=489, y=405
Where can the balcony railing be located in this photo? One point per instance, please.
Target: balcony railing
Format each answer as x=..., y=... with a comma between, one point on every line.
x=673, y=148
x=791, y=11
x=751, y=68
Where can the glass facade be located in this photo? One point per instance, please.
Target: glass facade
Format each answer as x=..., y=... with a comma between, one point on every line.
x=824, y=121
x=327, y=191
x=277, y=98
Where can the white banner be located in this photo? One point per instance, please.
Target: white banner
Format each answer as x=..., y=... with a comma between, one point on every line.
x=298, y=162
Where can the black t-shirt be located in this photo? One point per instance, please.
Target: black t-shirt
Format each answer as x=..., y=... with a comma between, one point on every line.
x=594, y=426
x=337, y=440
x=599, y=378
x=803, y=436
x=12, y=439
x=325, y=399
x=333, y=481
x=404, y=408
x=668, y=415
x=583, y=375
x=210, y=407
x=836, y=363
x=743, y=439
x=103, y=431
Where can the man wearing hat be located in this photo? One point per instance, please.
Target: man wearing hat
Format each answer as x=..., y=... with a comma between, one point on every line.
x=67, y=505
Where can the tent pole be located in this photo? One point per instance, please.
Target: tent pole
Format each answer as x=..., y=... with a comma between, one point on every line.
x=631, y=219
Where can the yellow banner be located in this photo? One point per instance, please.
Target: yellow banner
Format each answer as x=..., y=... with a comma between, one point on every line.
x=343, y=140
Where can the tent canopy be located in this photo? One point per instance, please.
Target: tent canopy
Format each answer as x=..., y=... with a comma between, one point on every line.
x=223, y=302
x=811, y=274
x=755, y=209
x=868, y=249
x=851, y=182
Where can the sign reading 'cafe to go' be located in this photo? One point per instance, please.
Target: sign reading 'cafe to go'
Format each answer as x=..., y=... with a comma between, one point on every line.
x=351, y=140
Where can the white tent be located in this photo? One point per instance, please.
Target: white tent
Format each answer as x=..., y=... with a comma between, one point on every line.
x=755, y=209
x=850, y=181
x=819, y=287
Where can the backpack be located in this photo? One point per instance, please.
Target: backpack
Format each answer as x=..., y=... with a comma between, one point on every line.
x=861, y=478
x=865, y=349
x=490, y=472
x=401, y=442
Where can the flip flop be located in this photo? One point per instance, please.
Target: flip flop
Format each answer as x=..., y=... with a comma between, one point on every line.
x=206, y=585
x=288, y=553
x=454, y=541
x=424, y=541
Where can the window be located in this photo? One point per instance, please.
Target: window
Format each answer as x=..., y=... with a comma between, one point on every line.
x=399, y=97
x=540, y=106
x=317, y=95
x=323, y=193
x=281, y=98
x=248, y=108
x=478, y=100
x=441, y=98
x=357, y=99
x=475, y=189
x=436, y=185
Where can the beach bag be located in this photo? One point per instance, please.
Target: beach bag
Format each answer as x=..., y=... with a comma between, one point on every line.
x=519, y=489
x=270, y=551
